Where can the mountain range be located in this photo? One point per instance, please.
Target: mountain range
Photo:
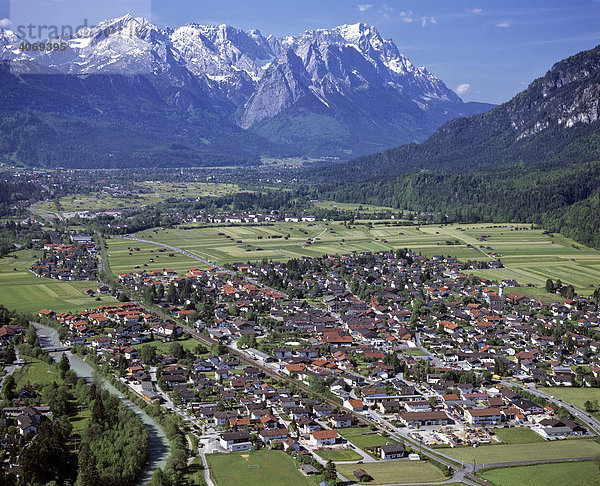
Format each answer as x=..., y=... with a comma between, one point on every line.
x=127, y=92
x=534, y=158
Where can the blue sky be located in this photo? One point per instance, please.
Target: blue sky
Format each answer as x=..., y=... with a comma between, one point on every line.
x=486, y=50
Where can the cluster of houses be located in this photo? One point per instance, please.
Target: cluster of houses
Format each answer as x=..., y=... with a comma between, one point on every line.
x=70, y=261
x=377, y=314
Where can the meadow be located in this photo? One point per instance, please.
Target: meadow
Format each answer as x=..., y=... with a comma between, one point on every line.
x=22, y=291
x=575, y=396
x=153, y=192
x=530, y=255
x=394, y=472
x=572, y=473
x=267, y=468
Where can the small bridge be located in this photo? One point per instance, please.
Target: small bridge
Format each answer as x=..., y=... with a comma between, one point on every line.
x=58, y=349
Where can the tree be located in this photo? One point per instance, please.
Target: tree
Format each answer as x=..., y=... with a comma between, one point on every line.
x=159, y=478
x=176, y=350
x=276, y=445
x=10, y=385
x=64, y=365
x=88, y=474
x=549, y=286
x=330, y=473
x=31, y=335
x=148, y=354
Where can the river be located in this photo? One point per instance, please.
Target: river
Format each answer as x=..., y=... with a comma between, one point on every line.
x=159, y=444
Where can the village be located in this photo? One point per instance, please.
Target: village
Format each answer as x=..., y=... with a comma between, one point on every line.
x=417, y=346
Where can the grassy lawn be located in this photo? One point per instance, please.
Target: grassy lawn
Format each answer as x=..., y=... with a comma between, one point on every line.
x=275, y=468
x=575, y=396
x=518, y=435
x=80, y=420
x=363, y=437
x=572, y=473
x=36, y=371
x=414, y=352
x=339, y=455
x=22, y=291
x=490, y=454
x=394, y=472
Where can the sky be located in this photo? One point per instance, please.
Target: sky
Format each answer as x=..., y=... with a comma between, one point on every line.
x=485, y=50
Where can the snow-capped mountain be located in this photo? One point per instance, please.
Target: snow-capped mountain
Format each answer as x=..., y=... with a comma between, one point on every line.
x=338, y=91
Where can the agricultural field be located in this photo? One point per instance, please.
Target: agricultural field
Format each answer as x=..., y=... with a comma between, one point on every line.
x=122, y=257
x=530, y=256
x=562, y=449
x=338, y=455
x=394, y=472
x=266, y=468
x=572, y=473
x=363, y=437
x=351, y=206
x=518, y=435
x=153, y=192
x=282, y=241
x=22, y=291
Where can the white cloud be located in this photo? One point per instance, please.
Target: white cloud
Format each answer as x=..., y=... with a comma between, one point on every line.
x=5, y=23
x=475, y=10
x=462, y=89
x=428, y=20
x=407, y=16
x=503, y=25
x=365, y=6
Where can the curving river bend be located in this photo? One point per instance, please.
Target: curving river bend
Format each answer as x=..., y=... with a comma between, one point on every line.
x=159, y=444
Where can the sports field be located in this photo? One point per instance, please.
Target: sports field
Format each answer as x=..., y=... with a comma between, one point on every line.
x=518, y=435
x=22, y=291
x=394, y=472
x=264, y=468
x=562, y=449
x=571, y=473
x=123, y=257
x=531, y=256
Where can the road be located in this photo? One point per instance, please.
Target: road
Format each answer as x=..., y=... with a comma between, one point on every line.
x=587, y=419
x=11, y=368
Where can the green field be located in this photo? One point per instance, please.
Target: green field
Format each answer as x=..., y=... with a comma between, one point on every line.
x=339, y=454
x=529, y=255
x=575, y=396
x=122, y=257
x=22, y=291
x=264, y=468
x=36, y=371
x=392, y=472
x=518, y=435
x=363, y=437
x=572, y=473
x=152, y=193
x=563, y=449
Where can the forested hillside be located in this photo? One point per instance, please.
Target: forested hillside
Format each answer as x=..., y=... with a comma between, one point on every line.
x=535, y=158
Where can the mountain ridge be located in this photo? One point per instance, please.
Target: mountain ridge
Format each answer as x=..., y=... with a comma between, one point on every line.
x=273, y=89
